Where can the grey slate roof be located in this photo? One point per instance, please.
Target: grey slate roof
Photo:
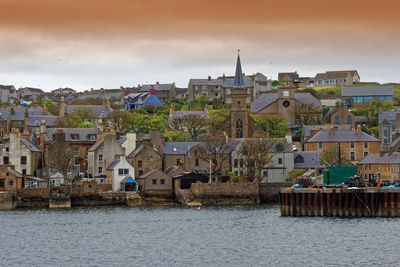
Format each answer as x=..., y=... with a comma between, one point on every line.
x=264, y=100
x=212, y=82
x=83, y=133
x=395, y=142
x=367, y=91
x=178, y=148
x=360, y=119
x=342, y=136
x=309, y=159
x=113, y=164
x=19, y=113
x=308, y=128
x=121, y=140
x=29, y=145
x=248, y=82
x=149, y=173
x=136, y=151
x=238, y=82
x=157, y=87
x=325, y=76
x=36, y=120
x=293, y=75
x=388, y=158
x=388, y=116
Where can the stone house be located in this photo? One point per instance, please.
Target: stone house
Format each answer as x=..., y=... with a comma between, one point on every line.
x=184, y=155
x=117, y=171
x=355, y=77
x=164, y=92
x=81, y=140
x=156, y=183
x=288, y=76
x=10, y=179
x=277, y=170
x=310, y=130
x=287, y=103
x=366, y=94
x=102, y=153
x=389, y=130
x=355, y=145
x=334, y=79
x=213, y=88
x=20, y=152
x=387, y=166
x=30, y=94
x=8, y=94
x=339, y=116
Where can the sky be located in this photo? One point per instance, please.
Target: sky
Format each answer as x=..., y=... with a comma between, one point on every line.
x=111, y=43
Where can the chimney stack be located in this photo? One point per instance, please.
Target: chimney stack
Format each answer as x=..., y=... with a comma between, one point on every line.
x=358, y=130
x=209, y=78
x=45, y=110
x=62, y=107
x=332, y=131
x=108, y=104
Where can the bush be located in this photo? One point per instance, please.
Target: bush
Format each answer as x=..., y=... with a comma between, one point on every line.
x=235, y=179
x=293, y=174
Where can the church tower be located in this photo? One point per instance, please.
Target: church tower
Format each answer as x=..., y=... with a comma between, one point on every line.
x=239, y=96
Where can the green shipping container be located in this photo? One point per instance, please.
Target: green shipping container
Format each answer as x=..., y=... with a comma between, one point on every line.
x=339, y=174
x=326, y=177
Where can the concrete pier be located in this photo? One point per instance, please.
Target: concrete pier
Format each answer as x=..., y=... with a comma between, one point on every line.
x=340, y=202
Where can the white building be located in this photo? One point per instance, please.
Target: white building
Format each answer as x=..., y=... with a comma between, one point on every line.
x=118, y=171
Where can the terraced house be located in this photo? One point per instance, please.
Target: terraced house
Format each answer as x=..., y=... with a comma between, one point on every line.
x=366, y=94
x=355, y=145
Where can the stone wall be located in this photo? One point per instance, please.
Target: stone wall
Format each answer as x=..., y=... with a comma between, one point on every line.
x=269, y=192
x=226, y=193
x=7, y=200
x=33, y=197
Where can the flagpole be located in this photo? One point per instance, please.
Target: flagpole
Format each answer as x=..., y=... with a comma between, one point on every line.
x=210, y=173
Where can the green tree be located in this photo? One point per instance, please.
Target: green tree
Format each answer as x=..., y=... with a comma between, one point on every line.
x=51, y=107
x=177, y=136
x=87, y=124
x=217, y=117
x=70, y=121
x=85, y=114
x=372, y=110
x=199, y=103
x=330, y=157
x=275, y=125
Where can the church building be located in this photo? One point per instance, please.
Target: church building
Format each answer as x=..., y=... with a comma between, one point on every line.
x=239, y=124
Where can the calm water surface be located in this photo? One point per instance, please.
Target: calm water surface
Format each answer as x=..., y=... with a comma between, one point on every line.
x=235, y=236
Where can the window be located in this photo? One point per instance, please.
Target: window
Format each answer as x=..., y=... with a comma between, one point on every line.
x=6, y=160
x=385, y=133
x=123, y=171
x=320, y=145
x=76, y=151
x=235, y=163
x=100, y=158
x=228, y=91
x=352, y=144
x=178, y=162
x=349, y=119
x=100, y=169
x=385, y=141
x=229, y=100
x=366, y=144
x=239, y=129
x=280, y=160
x=286, y=93
x=248, y=100
x=162, y=181
x=2, y=182
x=10, y=182
x=337, y=119
x=197, y=162
x=74, y=136
x=51, y=170
x=352, y=155
x=393, y=128
x=241, y=164
x=24, y=171
x=7, y=149
x=154, y=181
x=204, y=87
x=23, y=160
x=365, y=154
x=139, y=164
x=299, y=159
x=92, y=137
x=265, y=173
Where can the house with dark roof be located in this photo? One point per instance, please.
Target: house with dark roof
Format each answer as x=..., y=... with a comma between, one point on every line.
x=212, y=88
x=288, y=103
x=141, y=100
x=307, y=160
x=184, y=155
x=8, y=94
x=310, y=130
x=30, y=94
x=389, y=130
x=10, y=179
x=354, y=74
x=334, y=78
x=288, y=76
x=366, y=94
x=64, y=91
x=339, y=116
x=386, y=166
x=118, y=172
x=164, y=91
x=355, y=145
x=22, y=153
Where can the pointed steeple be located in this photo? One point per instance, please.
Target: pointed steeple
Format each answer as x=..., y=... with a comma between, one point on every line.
x=238, y=83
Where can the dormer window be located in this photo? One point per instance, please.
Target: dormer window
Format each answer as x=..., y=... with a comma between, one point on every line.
x=92, y=137
x=174, y=149
x=74, y=136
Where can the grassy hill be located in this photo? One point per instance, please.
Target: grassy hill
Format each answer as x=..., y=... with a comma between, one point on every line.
x=330, y=89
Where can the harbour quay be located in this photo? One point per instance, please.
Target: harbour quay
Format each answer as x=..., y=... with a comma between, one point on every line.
x=340, y=202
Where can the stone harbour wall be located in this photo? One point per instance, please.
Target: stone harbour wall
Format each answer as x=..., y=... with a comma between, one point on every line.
x=269, y=192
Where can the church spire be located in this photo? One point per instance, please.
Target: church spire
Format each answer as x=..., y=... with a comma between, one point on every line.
x=238, y=83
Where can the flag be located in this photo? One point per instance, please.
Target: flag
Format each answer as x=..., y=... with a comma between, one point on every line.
x=212, y=164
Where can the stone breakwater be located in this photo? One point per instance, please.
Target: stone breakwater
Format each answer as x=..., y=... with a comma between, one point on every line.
x=91, y=194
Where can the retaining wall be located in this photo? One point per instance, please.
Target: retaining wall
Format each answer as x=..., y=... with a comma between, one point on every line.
x=269, y=192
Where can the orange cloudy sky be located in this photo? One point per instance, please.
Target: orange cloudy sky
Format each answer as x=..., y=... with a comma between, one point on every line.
x=108, y=43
